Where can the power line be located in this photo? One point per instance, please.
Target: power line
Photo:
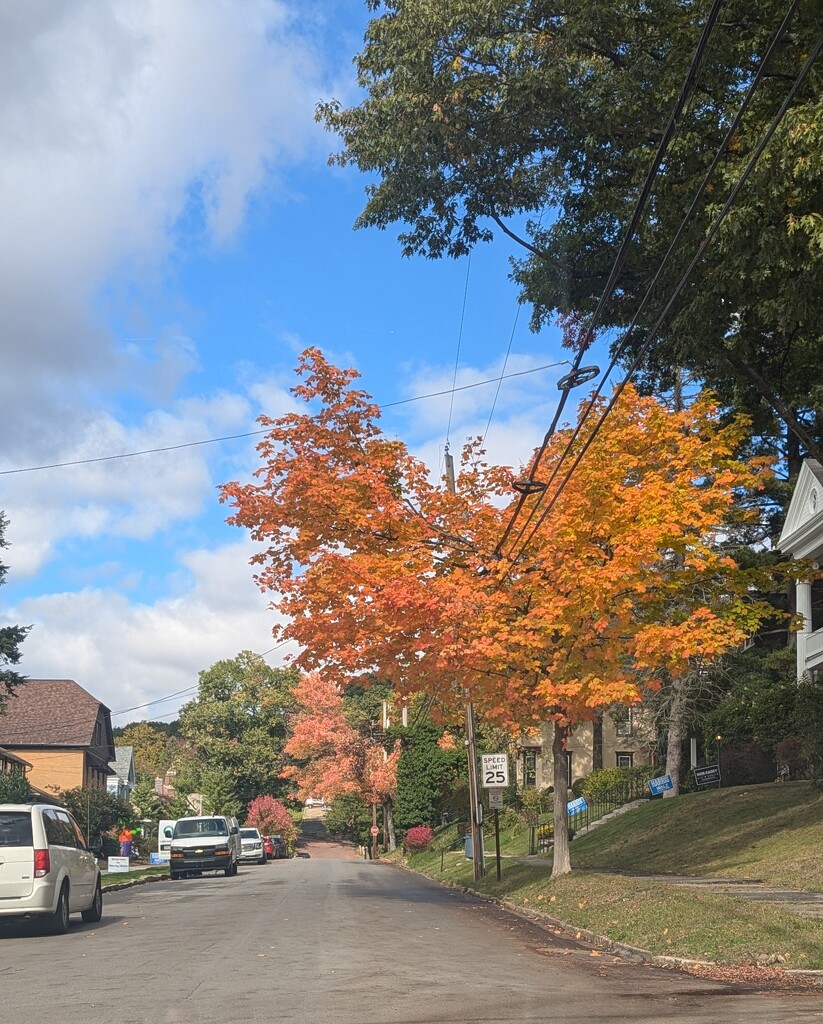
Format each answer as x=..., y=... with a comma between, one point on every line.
x=574, y=377
x=257, y=433
x=459, y=340
x=758, y=152
x=627, y=335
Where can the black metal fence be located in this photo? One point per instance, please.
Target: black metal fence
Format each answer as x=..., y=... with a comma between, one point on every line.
x=541, y=837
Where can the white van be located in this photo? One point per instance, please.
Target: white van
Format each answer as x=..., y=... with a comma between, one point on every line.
x=47, y=871
x=204, y=843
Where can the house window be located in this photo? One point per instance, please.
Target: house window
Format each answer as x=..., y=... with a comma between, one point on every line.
x=623, y=720
x=625, y=759
x=529, y=768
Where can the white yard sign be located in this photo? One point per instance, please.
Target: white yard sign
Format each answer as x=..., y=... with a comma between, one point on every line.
x=494, y=769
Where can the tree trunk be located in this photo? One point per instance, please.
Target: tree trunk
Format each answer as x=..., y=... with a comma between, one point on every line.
x=561, y=863
x=389, y=835
x=676, y=734
x=597, y=741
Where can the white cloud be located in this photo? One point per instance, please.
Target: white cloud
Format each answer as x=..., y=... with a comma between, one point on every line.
x=125, y=126
x=128, y=654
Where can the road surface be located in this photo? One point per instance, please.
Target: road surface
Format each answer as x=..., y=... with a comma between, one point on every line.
x=330, y=940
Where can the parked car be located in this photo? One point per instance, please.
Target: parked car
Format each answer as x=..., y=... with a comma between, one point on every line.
x=204, y=843
x=252, y=848
x=47, y=870
x=280, y=848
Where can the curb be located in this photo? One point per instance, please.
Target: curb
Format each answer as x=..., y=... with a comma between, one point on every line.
x=117, y=886
x=632, y=953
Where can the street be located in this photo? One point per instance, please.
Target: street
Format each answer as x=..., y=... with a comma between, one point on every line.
x=315, y=940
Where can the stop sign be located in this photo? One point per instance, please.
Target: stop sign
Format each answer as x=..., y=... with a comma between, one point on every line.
x=375, y=831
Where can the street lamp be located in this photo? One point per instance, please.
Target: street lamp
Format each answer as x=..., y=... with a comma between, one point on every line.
x=718, y=740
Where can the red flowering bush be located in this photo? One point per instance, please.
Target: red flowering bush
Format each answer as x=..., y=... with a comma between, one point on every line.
x=419, y=838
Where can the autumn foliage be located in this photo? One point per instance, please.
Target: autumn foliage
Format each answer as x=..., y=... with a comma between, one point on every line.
x=271, y=817
x=419, y=838
x=331, y=756
x=379, y=569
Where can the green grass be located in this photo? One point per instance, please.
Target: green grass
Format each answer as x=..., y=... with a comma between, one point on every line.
x=119, y=877
x=772, y=832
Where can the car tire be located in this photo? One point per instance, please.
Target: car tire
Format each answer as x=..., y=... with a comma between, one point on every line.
x=95, y=911
x=174, y=875
x=58, y=922
x=262, y=859
x=230, y=870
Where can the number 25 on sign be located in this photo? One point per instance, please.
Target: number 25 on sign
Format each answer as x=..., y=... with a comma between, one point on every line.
x=494, y=769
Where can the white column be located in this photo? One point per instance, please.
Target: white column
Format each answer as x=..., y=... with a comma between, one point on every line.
x=803, y=597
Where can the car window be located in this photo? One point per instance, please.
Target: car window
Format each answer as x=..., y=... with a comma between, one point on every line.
x=249, y=833
x=199, y=827
x=59, y=831
x=79, y=838
x=15, y=828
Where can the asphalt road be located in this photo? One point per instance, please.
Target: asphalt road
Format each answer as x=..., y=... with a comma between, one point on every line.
x=317, y=940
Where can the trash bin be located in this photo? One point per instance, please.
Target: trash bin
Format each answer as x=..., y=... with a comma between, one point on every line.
x=468, y=849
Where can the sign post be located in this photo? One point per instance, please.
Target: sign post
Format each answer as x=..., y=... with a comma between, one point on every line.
x=494, y=772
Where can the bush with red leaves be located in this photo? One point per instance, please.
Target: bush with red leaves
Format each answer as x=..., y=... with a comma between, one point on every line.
x=419, y=838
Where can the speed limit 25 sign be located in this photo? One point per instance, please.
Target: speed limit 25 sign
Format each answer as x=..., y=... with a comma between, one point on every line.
x=494, y=769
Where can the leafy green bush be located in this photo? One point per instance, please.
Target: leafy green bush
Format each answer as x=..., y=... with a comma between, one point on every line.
x=602, y=780
x=14, y=788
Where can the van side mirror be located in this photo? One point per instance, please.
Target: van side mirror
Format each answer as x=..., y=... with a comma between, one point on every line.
x=234, y=830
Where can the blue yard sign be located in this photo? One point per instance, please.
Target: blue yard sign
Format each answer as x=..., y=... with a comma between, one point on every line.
x=660, y=785
x=576, y=806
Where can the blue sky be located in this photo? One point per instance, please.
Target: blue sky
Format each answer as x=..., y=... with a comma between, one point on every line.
x=173, y=239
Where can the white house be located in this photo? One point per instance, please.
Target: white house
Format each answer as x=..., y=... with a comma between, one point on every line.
x=802, y=537
x=123, y=777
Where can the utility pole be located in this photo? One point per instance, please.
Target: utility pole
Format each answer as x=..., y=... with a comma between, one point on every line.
x=475, y=807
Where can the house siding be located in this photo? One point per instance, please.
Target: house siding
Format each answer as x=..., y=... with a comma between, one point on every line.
x=59, y=769
x=639, y=743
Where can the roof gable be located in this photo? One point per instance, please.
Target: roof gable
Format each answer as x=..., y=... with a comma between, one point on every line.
x=123, y=764
x=50, y=712
x=802, y=534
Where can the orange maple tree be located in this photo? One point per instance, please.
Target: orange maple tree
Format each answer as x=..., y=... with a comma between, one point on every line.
x=378, y=569
x=332, y=756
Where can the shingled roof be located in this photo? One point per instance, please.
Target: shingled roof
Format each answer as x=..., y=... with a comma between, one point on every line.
x=49, y=712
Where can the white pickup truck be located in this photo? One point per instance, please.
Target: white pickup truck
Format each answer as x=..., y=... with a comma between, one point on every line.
x=205, y=843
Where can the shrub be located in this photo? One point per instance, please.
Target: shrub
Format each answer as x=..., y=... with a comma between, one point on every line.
x=14, y=788
x=419, y=838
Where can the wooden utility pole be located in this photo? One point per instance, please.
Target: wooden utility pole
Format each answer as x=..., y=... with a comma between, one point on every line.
x=475, y=806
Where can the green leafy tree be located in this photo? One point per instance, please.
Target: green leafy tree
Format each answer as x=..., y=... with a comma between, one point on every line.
x=809, y=727
x=349, y=818
x=237, y=724
x=426, y=774
x=96, y=810
x=10, y=637
x=154, y=748
x=146, y=801
x=219, y=790
x=14, y=788
x=541, y=122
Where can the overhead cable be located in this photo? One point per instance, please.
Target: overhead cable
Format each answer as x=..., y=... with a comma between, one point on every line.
x=652, y=335
x=617, y=267
x=627, y=335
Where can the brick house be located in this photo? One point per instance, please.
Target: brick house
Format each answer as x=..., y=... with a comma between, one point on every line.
x=61, y=731
x=625, y=738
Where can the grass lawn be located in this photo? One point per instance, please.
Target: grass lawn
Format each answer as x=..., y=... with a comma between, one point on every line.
x=771, y=832
x=118, y=877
